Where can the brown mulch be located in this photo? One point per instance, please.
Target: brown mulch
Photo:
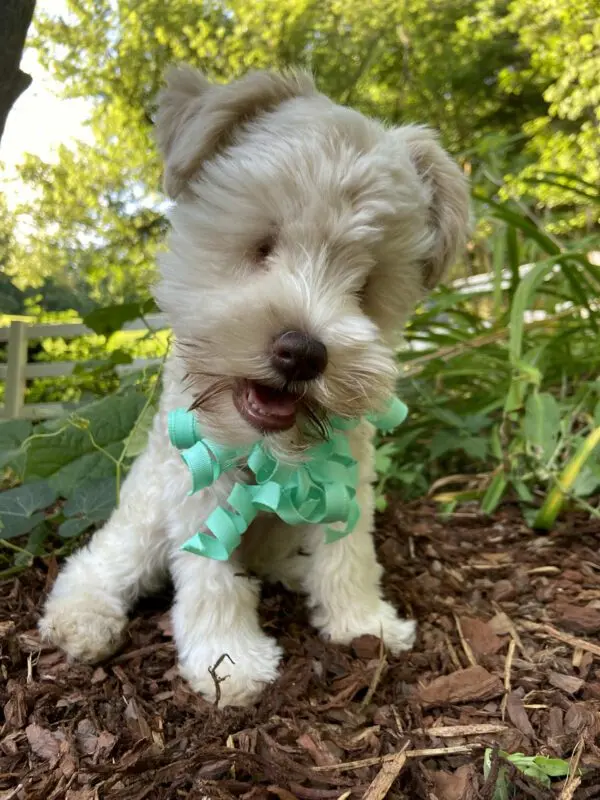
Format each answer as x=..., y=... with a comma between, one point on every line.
x=508, y=656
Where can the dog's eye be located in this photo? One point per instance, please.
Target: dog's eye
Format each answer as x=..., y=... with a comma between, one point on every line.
x=362, y=293
x=264, y=248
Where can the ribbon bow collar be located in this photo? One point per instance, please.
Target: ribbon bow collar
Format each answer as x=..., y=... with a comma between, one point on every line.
x=320, y=490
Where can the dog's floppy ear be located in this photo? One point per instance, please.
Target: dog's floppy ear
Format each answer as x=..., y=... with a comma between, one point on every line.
x=196, y=119
x=449, y=204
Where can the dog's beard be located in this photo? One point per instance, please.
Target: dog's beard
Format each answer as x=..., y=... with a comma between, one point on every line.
x=359, y=379
x=312, y=423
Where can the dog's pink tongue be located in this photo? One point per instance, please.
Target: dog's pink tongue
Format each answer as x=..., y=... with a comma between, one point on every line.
x=271, y=402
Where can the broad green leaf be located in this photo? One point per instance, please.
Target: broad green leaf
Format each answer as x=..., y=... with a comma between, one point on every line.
x=136, y=442
x=20, y=508
x=71, y=454
x=99, y=365
x=450, y=441
x=73, y=527
x=94, y=500
x=553, y=767
x=109, y=319
x=443, y=442
x=12, y=435
x=476, y=447
x=541, y=423
x=588, y=480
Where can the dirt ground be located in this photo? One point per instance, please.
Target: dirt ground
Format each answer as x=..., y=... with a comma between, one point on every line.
x=508, y=656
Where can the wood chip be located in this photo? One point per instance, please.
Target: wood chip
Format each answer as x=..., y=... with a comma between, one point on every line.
x=459, y=785
x=480, y=636
x=386, y=776
x=566, y=683
x=474, y=683
x=86, y=737
x=578, y=619
x=43, y=742
x=367, y=646
x=317, y=748
x=518, y=716
x=502, y=624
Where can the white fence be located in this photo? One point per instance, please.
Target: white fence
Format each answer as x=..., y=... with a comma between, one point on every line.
x=18, y=369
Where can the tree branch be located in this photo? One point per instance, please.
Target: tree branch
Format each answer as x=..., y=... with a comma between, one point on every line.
x=15, y=19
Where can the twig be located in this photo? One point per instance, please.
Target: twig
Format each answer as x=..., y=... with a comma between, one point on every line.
x=12, y=793
x=574, y=641
x=507, y=675
x=386, y=776
x=492, y=778
x=573, y=780
x=465, y=645
x=452, y=731
x=15, y=548
x=375, y=760
x=452, y=652
x=212, y=671
x=142, y=651
x=381, y=665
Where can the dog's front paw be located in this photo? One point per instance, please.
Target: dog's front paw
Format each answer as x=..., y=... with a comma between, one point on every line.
x=87, y=628
x=398, y=634
x=241, y=673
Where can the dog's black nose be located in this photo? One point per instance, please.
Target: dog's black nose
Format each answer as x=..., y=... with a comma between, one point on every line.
x=298, y=357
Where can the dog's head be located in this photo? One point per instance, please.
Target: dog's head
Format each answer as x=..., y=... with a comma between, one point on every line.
x=302, y=237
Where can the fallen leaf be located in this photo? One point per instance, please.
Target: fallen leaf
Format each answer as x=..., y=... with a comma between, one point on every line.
x=474, y=683
x=480, y=636
x=566, y=683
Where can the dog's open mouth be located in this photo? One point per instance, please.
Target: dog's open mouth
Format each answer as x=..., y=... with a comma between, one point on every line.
x=264, y=407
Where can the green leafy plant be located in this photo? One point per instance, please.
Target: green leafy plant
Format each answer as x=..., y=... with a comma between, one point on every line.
x=540, y=768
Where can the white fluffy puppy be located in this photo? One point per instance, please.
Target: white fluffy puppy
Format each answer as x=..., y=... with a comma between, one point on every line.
x=302, y=236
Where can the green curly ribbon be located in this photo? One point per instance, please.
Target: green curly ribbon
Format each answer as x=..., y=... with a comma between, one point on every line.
x=321, y=490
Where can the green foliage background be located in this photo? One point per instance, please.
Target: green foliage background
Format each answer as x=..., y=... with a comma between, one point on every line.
x=502, y=381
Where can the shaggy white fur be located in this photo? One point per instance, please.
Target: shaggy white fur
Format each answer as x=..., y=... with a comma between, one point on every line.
x=292, y=214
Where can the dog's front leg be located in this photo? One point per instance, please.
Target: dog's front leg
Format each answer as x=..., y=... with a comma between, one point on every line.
x=215, y=622
x=342, y=581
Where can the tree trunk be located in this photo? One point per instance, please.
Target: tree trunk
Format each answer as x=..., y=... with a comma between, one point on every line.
x=15, y=18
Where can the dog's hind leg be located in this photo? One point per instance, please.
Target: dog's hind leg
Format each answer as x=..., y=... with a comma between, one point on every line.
x=86, y=611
